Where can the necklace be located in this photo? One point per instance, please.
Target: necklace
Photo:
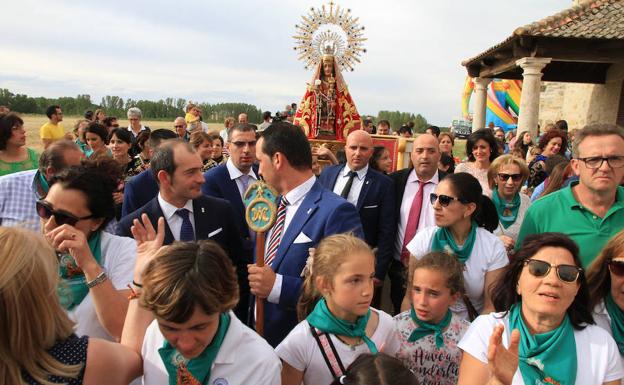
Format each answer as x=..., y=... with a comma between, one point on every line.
x=353, y=345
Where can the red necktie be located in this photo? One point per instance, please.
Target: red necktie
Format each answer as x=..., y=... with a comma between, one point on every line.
x=412, y=220
x=276, y=236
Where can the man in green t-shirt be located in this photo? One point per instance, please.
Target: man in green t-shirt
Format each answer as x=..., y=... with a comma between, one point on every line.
x=53, y=130
x=592, y=210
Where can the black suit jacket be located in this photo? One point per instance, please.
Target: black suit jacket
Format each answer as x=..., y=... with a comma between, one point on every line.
x=214, y=220
x=400, y=180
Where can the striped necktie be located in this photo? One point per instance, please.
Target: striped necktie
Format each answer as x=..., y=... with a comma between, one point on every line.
x=276, y=235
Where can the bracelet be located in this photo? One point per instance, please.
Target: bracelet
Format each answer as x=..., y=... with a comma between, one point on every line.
x=140, y=286
x=133, y=294
x=99, y=279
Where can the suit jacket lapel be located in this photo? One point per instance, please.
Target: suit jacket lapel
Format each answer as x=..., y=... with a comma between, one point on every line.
x=157, y=213
x=368, y=181
x=199, y=214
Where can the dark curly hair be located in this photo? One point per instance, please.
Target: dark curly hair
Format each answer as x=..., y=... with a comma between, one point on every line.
x=97, y=179
x=504, y=294
x=483, y=134
x=548, y=136
x=7, y=122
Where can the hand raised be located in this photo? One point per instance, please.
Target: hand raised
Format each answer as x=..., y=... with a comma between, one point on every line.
x=148, y=241
x=68, y=239
x=503, y=362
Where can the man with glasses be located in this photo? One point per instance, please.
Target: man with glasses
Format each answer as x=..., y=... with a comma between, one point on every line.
x=53, y=130
x=591, y=210
x=229, y=181
x=179, y=125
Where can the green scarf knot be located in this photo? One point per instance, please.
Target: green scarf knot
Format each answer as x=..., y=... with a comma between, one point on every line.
x=443, y=241
x=195, y=370
x=72, y=287
x=426, y=328
x=322, y=319
x=547, y=358
x=507, y=211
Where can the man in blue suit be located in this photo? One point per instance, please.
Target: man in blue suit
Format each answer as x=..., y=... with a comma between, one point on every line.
x=190, y=216
x=372, y=193
x=310, y=213
x=229, y=181
x=141, y=188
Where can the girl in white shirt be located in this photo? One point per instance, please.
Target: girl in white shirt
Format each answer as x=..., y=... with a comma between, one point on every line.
x=339, y=323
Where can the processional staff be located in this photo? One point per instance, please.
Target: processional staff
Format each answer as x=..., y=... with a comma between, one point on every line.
x=261, y=210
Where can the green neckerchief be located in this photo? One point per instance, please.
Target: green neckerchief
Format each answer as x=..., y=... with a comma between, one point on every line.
x=72, y=287
x=443, y=241
x=617, y=321
x=322, y=319
x=44, y=183
x=507, y=211
x=426, y=328
x=548, y=358
x=196, y=370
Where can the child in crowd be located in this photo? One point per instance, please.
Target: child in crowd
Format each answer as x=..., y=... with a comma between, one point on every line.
x=379, y=369
x=339, y=323
x=429, y=331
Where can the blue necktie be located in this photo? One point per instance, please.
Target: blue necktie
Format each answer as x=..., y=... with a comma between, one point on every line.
x=186, y=231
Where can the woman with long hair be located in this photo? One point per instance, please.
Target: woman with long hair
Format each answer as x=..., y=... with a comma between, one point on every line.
x=482, y=149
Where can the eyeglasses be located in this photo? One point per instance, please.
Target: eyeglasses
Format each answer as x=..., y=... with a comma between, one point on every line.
x=242, y=144
x=505, y=177
x=45, y=211
x=444, y=200
x=566, y=273
x=616, y=267
x=594, y=162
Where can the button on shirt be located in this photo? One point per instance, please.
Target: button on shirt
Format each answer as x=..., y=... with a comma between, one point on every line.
x=237, y=175
x=173, y=220
x=295, y=197
x=426, y=212
x=356, y=187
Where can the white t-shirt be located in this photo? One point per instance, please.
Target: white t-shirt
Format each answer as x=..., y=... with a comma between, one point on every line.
x=513, y=230
x=598, y=359
x=300, y=350
x=431, y=365
x=244, y=358
x=118, y=255
x=488, y=254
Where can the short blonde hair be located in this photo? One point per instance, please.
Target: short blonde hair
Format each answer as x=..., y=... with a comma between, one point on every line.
x=505, y=160
x=32, y=319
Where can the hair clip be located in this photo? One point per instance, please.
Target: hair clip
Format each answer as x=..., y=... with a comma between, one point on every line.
x=343, y=379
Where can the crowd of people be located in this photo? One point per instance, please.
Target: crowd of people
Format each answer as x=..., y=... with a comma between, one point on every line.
x=126, y=258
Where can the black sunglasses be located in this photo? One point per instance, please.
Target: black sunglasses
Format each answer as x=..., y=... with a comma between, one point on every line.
x=45, y=211
x=616, y=267
x=505, y=177
x=566, y=273
x=444, y=200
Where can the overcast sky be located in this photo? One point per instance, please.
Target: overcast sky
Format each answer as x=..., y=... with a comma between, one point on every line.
x=242, y=51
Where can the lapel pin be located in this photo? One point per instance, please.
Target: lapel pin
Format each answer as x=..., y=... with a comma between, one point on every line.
x=309, y=211
x=203, y=212
x=367, y=181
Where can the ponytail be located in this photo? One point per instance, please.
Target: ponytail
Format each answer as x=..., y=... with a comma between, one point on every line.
x=486, y=215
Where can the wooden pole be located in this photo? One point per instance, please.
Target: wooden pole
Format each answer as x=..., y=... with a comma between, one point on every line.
x=260, y=240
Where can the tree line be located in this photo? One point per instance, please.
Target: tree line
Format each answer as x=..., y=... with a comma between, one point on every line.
x=397, y=119
x=163, y=109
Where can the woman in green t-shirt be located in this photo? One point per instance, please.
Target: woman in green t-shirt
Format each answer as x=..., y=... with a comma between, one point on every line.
x=14, y=155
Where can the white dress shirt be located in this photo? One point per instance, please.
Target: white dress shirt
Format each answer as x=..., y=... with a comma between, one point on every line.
x=426, y=211
x=141, y=130
x=236, y=174
x=356, y=187
x=294, y=197
x=174, y=220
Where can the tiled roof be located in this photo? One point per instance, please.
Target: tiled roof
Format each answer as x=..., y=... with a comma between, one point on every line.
x=595, y=19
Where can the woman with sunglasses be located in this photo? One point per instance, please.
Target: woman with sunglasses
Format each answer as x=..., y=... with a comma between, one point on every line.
x=94, y=266
x=464, y=221
x=506, y=176
x=543, y=332
x=605, y=278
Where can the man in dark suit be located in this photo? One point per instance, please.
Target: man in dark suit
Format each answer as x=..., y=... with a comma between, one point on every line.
x=229, y=181
x=141, y=188
x=309, y=213
x=190, y=216
x=372, y=193
x=412, y=207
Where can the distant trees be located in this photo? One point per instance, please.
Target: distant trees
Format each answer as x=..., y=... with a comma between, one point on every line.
x=397, y=119
x=164, y=109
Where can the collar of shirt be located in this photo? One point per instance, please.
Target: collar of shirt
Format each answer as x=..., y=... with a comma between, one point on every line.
x=132, y=132
x=298, y=193
x=235, y=173
x=361, y=173
x=169, y=210
x=571, y=201
x=413, y=178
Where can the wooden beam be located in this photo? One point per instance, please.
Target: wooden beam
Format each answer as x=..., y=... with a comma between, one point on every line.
x=498, y=67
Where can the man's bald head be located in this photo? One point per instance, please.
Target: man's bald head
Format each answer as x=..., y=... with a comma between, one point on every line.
x=425, y=156
x=358, y=149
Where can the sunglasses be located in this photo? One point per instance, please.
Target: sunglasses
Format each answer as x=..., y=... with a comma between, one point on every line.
x=616, y=267
x=505, y=177
x=45, y=211
x=444, y=200
x=566, y=273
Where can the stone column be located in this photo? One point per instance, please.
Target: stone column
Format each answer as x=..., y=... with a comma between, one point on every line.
x=478, y=119
x=529, y=99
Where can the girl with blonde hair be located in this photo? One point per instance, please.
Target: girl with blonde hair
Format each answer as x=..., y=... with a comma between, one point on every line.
x=37, y=342
x=338, y=323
